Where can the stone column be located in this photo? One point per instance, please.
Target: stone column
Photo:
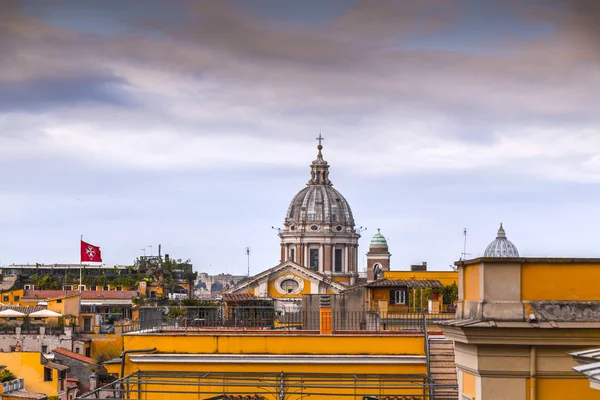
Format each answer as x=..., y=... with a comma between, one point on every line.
x=306, y=256
x=298, y=255
x=283, y=257
x=321, y=258
x=93, y=381
x=346, y=267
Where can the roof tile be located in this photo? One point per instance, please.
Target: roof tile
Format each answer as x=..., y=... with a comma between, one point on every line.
x=76, y=356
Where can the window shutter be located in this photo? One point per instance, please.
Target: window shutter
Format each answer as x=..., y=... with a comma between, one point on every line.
x=392, y=297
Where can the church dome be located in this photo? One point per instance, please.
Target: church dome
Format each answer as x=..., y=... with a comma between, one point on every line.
x=501, y=247
x=378, y=240
x=319, y=202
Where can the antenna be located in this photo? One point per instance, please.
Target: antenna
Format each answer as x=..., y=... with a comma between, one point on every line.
x=248, y=255
x=464, y=253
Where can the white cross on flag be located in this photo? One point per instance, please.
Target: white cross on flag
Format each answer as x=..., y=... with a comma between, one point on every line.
x=90, y=253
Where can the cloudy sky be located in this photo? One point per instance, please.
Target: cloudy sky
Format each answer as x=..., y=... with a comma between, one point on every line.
x=192, y=124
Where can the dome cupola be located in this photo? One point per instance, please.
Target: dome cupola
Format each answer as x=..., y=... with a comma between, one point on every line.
x=319, y=227
x=378, y=240
x=501, y=247
x=319, y=205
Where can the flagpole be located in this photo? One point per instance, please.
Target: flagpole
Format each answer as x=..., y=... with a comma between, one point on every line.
x=80, y=263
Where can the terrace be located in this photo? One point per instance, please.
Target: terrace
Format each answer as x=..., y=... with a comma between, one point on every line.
x=242, y=318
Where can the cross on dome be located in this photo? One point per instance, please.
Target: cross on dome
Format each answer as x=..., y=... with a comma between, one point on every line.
x=320, y=138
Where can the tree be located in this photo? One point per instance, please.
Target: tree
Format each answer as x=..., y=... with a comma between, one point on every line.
x=450, y=293
x=6, y=375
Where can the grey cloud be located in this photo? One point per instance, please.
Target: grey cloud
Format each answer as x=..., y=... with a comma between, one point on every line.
x=67, y=91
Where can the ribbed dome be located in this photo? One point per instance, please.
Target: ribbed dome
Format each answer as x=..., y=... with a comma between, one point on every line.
x=378, y=240
x=319, y=203
x=501, y=247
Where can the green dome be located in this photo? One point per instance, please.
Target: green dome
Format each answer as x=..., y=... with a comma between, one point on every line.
x=378, y=240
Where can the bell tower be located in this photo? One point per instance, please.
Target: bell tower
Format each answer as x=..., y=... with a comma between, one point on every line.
x=378, y=257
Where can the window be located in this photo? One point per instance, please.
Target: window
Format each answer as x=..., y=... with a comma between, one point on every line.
x=105, y=288
x=27, y=287
x=93, y=287
x=153, y=294
x=47, y=374
x=292, y=254
x=397, y=296
x=67, y=287
x=314, y=259
x=5, y=297
x=59, y=301
x=88, y=351
x=118, y=287
x=81, y=287
x=338, y=260
x=17, y=298
x=77, y=350
x=44, y=349
x=289, y=285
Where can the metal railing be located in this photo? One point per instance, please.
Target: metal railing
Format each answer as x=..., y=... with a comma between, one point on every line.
x=240, y=318
x=249, y=385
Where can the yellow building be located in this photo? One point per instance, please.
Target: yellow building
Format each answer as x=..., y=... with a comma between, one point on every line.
x=444, y=277
x=12, y=298
x=516, y=321
x=41, y=375
x=259, y=363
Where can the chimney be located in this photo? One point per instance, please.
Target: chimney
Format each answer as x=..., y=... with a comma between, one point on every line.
x=421, y=267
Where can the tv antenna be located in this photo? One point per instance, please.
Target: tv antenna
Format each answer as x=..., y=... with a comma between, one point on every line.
x=248, y=255
x=464, y=253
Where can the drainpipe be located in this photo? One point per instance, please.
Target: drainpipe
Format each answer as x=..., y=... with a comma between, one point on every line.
x=125, y=352
x=532, y=373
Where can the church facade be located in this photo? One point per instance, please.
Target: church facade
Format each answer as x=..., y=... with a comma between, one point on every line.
x=319, y=243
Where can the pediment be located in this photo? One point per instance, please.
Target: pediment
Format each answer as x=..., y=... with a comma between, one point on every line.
x=285, y=269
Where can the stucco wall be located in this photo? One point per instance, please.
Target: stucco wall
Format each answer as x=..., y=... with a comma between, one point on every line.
x=35, y=342
x=79, y=369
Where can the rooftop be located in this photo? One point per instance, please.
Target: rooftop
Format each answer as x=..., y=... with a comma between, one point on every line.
x=73, y=355
x=85, y=294
x=530, y=260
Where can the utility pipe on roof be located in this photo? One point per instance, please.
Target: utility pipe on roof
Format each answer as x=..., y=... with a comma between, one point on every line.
x=125, y=352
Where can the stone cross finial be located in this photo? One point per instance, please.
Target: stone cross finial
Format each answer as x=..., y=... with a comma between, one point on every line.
x=320, y=139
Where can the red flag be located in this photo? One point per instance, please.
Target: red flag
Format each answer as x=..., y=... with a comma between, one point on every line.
x=90, y=253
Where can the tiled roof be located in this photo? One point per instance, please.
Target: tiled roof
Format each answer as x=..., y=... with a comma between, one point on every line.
x=86, y=294
x=392, y=283
x=47, y=294
x=54, y=365
x=23, y=309
x=76, y=356
x=23, y=394
x=238, y=297
x=109, y=294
